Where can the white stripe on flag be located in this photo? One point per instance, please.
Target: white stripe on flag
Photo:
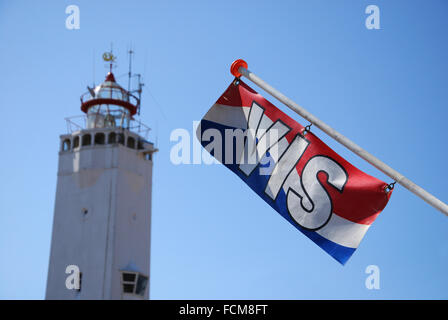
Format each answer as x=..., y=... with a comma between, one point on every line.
x=235, y=117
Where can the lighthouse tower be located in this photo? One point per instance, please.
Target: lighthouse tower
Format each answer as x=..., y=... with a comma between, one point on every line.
x=100, y=246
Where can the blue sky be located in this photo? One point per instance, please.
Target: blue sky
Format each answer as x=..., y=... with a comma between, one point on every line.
x=213, y=238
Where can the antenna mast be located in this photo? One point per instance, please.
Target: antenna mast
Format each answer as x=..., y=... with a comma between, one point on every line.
x=130, y=75
x=140, y=86
x=130, y=68
x=93, y=65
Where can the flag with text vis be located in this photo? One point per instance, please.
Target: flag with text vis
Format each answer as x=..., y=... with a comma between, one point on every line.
x=307, y=183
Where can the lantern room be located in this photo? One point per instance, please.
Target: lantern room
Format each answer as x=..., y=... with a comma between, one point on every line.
x=109, y=105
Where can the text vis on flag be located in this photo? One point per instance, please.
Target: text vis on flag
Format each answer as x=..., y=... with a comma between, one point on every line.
x=316, y=190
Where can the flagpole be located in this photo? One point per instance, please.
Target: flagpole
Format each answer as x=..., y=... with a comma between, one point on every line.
x=239, y=68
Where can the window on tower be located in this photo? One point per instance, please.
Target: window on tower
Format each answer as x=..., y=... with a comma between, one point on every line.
x=86, y=140
x=140, y=144
x=131, y=143
x=66, y=145
x=76, y=142
x=120, y=138
x=128, y=281
x=100, y=138
x=112, y=138
x=134, y=282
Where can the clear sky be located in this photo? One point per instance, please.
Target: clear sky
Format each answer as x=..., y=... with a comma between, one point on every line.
x=213, y=238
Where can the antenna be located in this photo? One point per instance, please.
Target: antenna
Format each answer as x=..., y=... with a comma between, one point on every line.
x=130, y=76
x=140, y=86
x=130, y=67
x=112, y=57
x=93, y=67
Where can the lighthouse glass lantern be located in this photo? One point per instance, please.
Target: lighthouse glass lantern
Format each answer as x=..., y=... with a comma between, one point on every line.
x=109, y=105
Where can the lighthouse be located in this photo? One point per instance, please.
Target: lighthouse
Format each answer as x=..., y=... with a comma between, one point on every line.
x=100, y=245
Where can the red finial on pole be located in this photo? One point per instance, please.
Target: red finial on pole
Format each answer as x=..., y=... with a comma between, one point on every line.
x=236, y=66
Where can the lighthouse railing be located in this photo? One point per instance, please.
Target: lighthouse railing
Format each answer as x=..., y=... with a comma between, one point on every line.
x=78, y=123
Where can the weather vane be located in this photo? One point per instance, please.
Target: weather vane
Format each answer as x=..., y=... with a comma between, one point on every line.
x=109, y=57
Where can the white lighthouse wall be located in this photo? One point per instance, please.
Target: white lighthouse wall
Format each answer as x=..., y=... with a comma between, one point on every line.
x=133, y=219
x=102, y=220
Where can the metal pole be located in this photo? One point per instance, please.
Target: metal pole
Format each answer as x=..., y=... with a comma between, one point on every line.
x=239, y=67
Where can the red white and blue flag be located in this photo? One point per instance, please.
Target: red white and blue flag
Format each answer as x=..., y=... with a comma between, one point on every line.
x=307, y=183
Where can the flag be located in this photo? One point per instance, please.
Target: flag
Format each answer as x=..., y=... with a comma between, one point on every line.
x=307, y=183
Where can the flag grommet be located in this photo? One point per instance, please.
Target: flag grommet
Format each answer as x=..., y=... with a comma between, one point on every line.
x=390, y=187
x=306, y=129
